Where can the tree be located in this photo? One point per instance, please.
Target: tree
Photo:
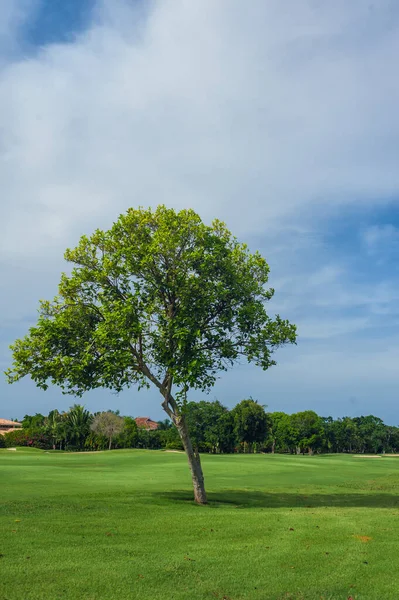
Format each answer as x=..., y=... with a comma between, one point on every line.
x=392, y=438
x=250, y=422
x=128, y=436
x=54, y=427
x=33, y=422
x=107, y=424
x=346, y=434
x=280, y=432
x=310, y=432
x=162, y=299
x=330, y=442
x=164, y=425
x=219, y=427
x=78, y=424
x=210, y=426
x=372, y=433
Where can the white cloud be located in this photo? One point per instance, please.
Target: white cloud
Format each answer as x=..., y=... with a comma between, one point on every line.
x=326, y=365
x=212, y=106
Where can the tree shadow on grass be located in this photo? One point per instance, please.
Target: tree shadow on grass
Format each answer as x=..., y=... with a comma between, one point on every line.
x=254, y=499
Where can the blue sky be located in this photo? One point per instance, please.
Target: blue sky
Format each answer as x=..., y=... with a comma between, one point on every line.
x=281, y=121
x=56, y=21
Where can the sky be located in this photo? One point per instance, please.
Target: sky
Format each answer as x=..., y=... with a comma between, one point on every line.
x=280, y=118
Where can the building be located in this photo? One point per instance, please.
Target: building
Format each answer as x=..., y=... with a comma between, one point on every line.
x=6, y=426
x=146, y=423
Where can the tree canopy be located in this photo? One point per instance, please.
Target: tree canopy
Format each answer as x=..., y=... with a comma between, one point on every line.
x=250, y=421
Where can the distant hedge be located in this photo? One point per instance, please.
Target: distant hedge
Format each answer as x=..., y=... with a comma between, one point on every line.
x=23, y=437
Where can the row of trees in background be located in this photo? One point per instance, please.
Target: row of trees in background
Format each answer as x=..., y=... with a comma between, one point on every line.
x=213, y=428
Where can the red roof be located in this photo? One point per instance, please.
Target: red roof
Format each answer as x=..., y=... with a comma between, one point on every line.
x=146, y=423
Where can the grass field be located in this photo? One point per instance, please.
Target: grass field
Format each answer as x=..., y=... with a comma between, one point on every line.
x=121, y=525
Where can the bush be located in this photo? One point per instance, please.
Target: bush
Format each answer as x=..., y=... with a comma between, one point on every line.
x=73, y=448
x=174, y=446
x=24, y=437
x=95, y=442
x=19, y=437
x=2, y=441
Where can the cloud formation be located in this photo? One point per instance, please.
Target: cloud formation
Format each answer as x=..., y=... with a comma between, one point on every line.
x=280, y=120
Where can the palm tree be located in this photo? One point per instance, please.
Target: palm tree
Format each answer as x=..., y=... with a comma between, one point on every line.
x=79, y=421
x=53, y=425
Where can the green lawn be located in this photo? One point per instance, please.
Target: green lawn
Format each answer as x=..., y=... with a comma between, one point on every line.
x=120, y=525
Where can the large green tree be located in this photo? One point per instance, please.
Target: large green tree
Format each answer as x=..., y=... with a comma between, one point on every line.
x=280, y=432
x=33, y=422
x=250, y=423
x=309, y=431
x=162, y=299
x=210, y=426
x=129, y=434
x=372, y=433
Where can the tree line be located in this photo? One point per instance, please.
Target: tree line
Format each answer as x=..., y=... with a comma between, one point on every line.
x=213, y=428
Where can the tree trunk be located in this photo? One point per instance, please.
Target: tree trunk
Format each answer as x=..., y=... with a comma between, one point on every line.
x=194, y=461
x=110, y=443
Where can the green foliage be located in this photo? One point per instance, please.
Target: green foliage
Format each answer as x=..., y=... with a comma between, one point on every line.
x=282, y=436
x=309, y=432
x=165, y=425
x=150, y=439
x=250, y=422
x=129, y=436
x=55, y=427
x=26, y=437
x=174, y=444
x=159, y=298
x=215, y=429
x=210, y=426
x=18, y=437
x=79, y=421
x=372, y=430
x=33, y=421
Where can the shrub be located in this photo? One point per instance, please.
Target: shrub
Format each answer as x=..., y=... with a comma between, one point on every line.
x=19, y=437
x=174, y=446
x=25, y=437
